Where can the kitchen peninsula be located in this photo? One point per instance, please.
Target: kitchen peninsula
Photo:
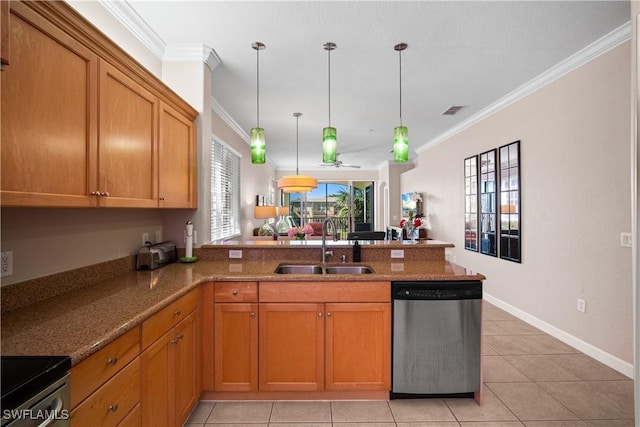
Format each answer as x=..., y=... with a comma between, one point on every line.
x=191, y=313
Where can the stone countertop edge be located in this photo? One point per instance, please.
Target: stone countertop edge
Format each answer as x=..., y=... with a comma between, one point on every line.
x=81, y=322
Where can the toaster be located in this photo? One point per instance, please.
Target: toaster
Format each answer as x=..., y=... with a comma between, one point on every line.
x=151, y=256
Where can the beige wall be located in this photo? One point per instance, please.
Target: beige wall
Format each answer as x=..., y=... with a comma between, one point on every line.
x=575, y=173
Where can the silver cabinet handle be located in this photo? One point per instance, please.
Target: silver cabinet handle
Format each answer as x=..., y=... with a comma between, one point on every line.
x=174, y=341
x=253, y=314
x=177, y=313
x=112, y=360
x=329, y=314
x=161, y=198
x=320, y=314
x=105, y=194
x=95, y=193
x=113, y=408
x=234, y=293
x=180, y=336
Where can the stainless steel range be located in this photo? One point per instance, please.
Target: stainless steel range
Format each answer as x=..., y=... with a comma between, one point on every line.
x=35, y=391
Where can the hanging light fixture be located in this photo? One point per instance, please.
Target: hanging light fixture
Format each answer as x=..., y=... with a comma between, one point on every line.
x=400, y=133
x=258, y=144
x=297, y=183
x=329, y=134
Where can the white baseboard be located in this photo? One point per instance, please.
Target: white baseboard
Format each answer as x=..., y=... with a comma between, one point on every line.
x=611, y=361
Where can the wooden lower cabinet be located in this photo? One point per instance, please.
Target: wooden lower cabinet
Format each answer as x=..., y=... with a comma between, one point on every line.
x=333, y=346
x=358, y=346
x=170, y=375
x=236, y=346
x=291, y=346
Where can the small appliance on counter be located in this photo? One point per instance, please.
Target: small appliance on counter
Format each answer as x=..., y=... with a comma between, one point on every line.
x=156, y=255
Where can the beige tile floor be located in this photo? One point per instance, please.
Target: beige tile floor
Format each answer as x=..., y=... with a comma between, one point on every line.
x=530, y=379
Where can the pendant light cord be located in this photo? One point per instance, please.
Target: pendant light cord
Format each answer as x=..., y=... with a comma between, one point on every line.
x=258, y=87
x=400, y=58
x=297, y=117
x=329, y=54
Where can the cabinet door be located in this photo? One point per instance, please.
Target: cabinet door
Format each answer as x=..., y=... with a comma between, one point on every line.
x=49, y=116
x=185, y=367
x=156, y=392
x=291, y=346
x=177, y=170
x=236, y=346
x=358, y=346
x=127, y=144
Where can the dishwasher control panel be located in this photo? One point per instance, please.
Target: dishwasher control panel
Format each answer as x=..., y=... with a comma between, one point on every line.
x=442, y=290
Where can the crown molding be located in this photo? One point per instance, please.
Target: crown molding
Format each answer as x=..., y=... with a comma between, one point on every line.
x=592, y=51
x=128, y=17
x=219, y=110
x=192, y=52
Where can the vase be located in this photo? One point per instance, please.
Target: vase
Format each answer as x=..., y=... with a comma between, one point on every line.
x=300, y=236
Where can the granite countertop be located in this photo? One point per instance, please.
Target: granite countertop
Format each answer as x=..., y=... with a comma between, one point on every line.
x=81, y=322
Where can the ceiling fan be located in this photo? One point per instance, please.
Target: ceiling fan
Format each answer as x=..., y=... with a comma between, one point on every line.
x=339, y=164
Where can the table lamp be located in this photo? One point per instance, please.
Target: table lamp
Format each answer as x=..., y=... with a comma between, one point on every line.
x=265, y=212
x=282, y=225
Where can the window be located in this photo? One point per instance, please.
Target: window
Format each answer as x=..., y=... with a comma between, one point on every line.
x=225, y=191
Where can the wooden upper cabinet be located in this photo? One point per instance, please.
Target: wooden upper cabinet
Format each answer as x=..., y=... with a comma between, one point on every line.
x=83, y=124
x=4, y=32
x=128, y=141
x=49, y=116
x=177, y=170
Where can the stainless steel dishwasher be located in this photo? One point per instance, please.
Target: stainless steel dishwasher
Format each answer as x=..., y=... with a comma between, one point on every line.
x=436, y=338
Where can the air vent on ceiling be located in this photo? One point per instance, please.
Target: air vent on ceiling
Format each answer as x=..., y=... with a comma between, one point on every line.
x=453, y=110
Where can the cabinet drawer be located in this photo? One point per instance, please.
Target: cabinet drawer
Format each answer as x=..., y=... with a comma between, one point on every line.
x=154, y=327
x=92, y=372
x=111, y=402
x=325, y=291
x=236, y=292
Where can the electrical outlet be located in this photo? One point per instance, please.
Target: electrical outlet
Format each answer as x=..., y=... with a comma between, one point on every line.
x=145, y=238
x=582, y=305
x=235, y=253
x=397, y=253
x=6, y=264
x=626, y=240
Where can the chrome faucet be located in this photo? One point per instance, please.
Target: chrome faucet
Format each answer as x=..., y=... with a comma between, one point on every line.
x=325, y=229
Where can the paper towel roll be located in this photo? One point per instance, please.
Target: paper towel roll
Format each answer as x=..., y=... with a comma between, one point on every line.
x=188, y=249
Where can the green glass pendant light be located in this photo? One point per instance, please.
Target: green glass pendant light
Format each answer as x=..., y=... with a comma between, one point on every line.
x=329, y=134
x=258, y=143
x=400, y=133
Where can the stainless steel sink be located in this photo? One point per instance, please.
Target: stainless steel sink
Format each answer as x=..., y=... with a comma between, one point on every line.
x=299, y=269
x=348, y=269
x=319, y=269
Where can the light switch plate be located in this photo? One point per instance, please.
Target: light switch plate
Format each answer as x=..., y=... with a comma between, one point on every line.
x=235, y=253
x=626, y=240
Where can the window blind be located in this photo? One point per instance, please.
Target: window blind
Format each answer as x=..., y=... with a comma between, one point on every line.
x=225, y=191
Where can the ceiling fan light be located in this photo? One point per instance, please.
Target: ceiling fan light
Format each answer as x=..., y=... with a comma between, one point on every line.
x=258, y=146
x=401, y=144
x=329, y=145
x=297, y=184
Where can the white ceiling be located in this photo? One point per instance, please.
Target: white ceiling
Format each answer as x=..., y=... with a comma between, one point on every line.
x=460, y=53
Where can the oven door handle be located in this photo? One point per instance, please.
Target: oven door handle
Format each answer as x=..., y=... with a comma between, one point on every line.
x=55, y=408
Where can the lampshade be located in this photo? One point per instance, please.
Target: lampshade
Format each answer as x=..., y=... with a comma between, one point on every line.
x=258, y=143
x=329, y=145
x=400, y=133
x=297, y=183
x=283, y=210
x=401, y=144
x=329, y=134
x=258, y=146
x=264, y=212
